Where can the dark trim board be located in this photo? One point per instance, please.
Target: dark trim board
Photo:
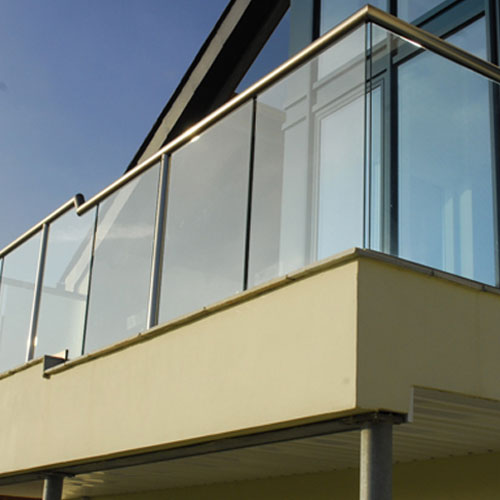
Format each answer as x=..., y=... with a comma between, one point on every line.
x=225, y=57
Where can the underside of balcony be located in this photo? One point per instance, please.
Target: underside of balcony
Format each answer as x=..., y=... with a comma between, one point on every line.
x=357, y=335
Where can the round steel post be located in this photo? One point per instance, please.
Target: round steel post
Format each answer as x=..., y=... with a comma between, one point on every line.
x=37, y=294
x=158, y=243
x=375, y=482
x=53, y=487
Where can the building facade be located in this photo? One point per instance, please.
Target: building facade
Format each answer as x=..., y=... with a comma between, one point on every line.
x=292, y=292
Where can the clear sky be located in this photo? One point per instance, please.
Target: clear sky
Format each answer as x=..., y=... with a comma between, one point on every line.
x=81, y=84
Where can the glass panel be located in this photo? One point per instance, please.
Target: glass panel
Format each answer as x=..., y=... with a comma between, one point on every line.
x=445, y=216
x=16, y=300
x=309, y=143
x=301, y=24
x=375, y=236
x=472, y=38
x=334, y=12
x=340, y=179
x=206, y=217
x=411, y=10
x=122, y=262
x=440, y=18
x=65, y=285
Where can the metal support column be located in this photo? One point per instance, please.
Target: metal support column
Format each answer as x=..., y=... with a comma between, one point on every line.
x=375, y=482
x=53, y=487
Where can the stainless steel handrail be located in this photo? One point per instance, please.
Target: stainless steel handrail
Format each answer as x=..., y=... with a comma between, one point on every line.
x=362, y=16
x=282, y=70
x=433, y=43
x=74, y=202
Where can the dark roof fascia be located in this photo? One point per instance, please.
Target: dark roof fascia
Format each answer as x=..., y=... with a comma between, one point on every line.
x=234, y=43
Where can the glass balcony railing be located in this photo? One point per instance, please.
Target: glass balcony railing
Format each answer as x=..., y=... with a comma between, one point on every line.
x=63, y=300
x=378, y=136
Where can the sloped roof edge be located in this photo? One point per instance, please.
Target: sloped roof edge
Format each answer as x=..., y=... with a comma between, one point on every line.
x=227, y=53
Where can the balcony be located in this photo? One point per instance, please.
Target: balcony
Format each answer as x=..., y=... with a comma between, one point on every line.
x=368, y=139
x=323, y=240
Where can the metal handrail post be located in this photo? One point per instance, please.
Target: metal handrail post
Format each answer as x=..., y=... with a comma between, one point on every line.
x=158, y=243
x=37, y=295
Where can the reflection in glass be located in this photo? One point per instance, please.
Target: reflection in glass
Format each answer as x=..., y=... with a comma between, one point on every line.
x=345, y=52
x=472, y=38
x=16, y=300
x=308, y=184
x=121, y=271
x=375, y=193
x=445, y=172
x=206, y=217
x=411, y=10
x=333, y=12
x=65, y=285
x=340, y=181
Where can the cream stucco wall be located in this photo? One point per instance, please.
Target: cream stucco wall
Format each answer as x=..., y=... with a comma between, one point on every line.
x=285, y=355
x=417, y=329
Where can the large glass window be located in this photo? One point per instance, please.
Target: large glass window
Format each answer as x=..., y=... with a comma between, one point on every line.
x=413, y=10
x=340, y=196
x=472, y=38
x=445, y=171
x=440, y=17
x=206, y=217
x=121, y=271
x=65, y=285
x=334, y=12
x=16, y=301
x=375, y=175
x=438, y=163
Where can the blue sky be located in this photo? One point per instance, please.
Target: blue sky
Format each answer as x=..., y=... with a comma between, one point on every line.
x=81, y=83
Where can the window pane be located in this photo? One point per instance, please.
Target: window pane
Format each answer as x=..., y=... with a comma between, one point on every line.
x=445, y=173
x=206, y=217
x=16, y=300
x=341, y=179
x=411, y=10
x=301, y=24
x=375, y=181
x=472, y=38
x=308, y=185
x=122, y=262
x=334, y=12
x=65, y=285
